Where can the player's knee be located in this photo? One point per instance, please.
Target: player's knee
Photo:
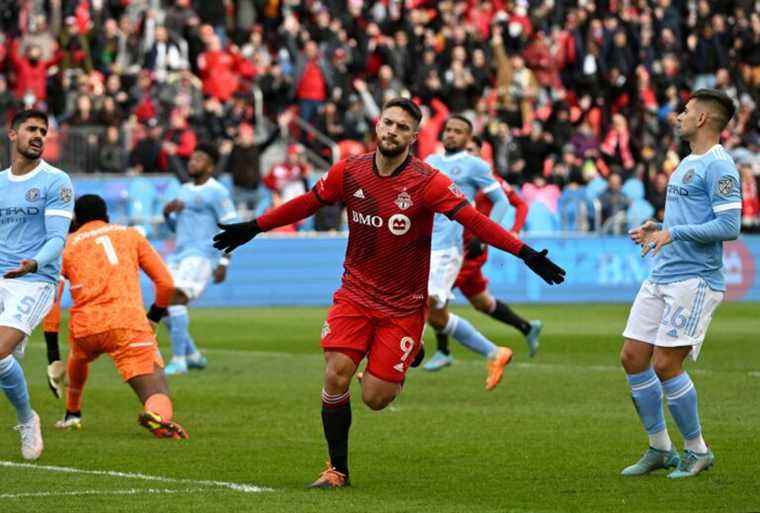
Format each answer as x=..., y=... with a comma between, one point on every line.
x=632, y=361
x=179, y=298
x=666, y=368
x=337, y=380
x=377, y=400
x=482, y=304
x=437, y=319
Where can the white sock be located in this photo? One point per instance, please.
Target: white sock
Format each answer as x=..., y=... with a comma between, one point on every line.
x=180, y=360
x=697, y=445
x=195, y=356
x=660, y=441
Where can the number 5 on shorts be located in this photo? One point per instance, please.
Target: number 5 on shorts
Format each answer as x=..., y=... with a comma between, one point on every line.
x=407, y=346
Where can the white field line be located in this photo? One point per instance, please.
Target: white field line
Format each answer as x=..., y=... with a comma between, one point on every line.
x=80, y=493
x=238, y=487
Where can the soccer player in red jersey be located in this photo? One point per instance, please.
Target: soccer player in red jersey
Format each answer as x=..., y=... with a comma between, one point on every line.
x=472, y=282
x=379, y=310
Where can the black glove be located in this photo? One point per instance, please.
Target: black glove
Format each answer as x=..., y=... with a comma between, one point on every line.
x=420, y=356
x=541, y=265
x=234, y=235
x=475, y=248
x=156, y=313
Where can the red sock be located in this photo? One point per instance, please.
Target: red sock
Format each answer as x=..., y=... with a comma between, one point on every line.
x=161, y=404
x=78, y=369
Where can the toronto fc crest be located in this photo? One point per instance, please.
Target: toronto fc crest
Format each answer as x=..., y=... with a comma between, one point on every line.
x=403, y=200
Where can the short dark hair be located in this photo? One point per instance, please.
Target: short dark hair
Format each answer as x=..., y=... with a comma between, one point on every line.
x=406, y=105
x=477, y=140
x=721, y=101
x=23, y=115
x=209, y=149
x=461, y=118
x=90, y=207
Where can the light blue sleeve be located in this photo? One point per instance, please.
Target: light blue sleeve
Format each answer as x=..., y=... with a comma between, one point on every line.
x=60, y=197
x=56, y=228
x=489, y=186
x=723, y=186
x=724, y=227
x=59, y=207
x=724, y=191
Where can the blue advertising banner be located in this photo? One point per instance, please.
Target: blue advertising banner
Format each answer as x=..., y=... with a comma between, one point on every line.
x=273, y=271
x=306, y=271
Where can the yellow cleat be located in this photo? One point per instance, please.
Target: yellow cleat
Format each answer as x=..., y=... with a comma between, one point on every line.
x=161, y=428
x=496, y=366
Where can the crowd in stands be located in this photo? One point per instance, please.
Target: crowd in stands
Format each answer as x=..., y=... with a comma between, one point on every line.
x=576, y=99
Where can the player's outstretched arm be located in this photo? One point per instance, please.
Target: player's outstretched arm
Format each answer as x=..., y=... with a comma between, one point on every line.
x=494, y=235
x=237, y=234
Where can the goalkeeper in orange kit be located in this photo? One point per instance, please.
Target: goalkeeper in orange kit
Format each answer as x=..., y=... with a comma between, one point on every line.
x=102, y=263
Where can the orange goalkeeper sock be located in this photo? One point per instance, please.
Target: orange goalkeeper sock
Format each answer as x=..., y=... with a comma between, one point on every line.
x=78, y=370
x=161, y=404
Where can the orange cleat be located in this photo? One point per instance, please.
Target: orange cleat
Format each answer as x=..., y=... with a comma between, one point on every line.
x=331, y=478
x=496, y=367
x=161, y=428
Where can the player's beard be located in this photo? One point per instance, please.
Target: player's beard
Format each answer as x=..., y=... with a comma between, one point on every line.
x=30, y=152
x=391, y=152
x=452, y=148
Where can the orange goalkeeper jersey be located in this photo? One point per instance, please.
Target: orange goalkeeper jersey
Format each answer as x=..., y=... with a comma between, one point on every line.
x=102, y=263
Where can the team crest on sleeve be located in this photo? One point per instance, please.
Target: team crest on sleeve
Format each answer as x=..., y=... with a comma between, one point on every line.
x=33, y=194
x=688, y=177
x=325, y=329
x=726, y=185
x=65, y=194
x=455, y=190
x=403, y=200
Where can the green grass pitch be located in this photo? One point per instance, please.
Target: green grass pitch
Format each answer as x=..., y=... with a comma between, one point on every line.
x=552, y=437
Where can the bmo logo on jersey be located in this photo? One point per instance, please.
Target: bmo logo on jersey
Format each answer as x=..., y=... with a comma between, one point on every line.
x=398, y=224
x=366, y=219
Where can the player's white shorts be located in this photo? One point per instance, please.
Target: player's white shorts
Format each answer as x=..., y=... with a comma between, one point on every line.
x=444, y=268
x=673, y=314
x=191, y=275
x=23, y=305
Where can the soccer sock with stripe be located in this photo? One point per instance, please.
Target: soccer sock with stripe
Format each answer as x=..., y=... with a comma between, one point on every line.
x=502, y=312
x=682, y=403
x=336, y=421
x=77, y=370
x=468, y=336
x=646, y=392
x=179, y=324
x=13, y=383
x=442, y=340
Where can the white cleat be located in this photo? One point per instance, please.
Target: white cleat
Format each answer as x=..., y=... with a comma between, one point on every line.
x=70, y=422
x=56, y=373
x=31, y=438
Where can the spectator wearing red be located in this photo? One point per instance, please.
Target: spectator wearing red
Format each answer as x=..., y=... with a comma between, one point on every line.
x=219, y=70
x=30, y=71
x=617, y=143
x=312, y=81
x=179, y=141
x=288, y=179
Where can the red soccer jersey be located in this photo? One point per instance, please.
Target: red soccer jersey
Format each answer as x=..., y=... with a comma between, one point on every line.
x=390, y=223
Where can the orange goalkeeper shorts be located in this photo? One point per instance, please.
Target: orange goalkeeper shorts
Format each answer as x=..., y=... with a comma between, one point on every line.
x=134, y=352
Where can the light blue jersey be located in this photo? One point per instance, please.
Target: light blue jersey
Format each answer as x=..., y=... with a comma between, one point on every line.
x=472, y=175
x=35, y=213
x=702, y=209
x=196, y=224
